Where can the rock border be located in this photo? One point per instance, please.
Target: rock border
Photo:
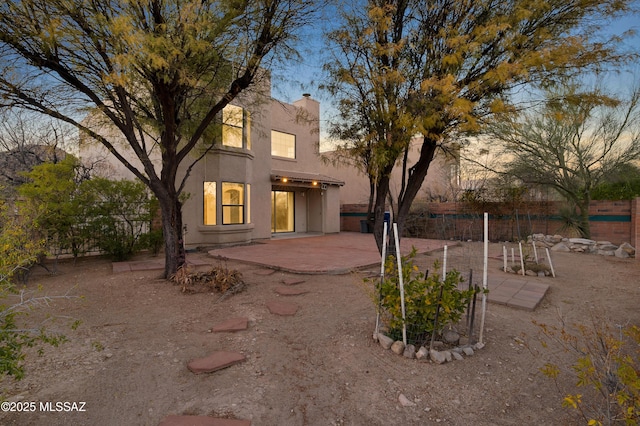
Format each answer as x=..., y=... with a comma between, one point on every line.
x=582, y=245
x=456, y=353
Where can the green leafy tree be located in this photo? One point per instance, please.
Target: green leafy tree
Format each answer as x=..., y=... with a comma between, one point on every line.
x=156, y=72
x=624, y=184
x=119, y=215
x=55, y=205
x=53, y=202
x=573, y=142
x=402, y=68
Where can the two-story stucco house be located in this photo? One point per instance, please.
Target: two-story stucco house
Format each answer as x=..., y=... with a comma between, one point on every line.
x=263, y=179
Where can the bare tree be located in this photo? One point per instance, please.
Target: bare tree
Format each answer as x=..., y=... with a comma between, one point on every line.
x=26, y=141
x=571, y=143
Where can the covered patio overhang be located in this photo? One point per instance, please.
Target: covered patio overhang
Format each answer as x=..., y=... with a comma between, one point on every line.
x=303, y=179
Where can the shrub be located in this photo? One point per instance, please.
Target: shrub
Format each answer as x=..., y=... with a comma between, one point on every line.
x=19, y=248
x=119, y=216
x=79, y=214
x=603, y=383
x=18, y=251
x=152, y=241
x=53, y=202
x=421, y=300
x=571, y=222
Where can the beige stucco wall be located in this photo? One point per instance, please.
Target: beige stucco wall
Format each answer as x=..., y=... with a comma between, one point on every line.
x=105, y=164
x=301, y=118
x=332, y=204
x=317, y=208
x=439, y=181
x=234, y=165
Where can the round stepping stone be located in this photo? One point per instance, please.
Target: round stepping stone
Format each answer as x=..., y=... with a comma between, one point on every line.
x=174, y=420
x=277, y=307
x=288, y=291
x=214, y=362
x=232, y=324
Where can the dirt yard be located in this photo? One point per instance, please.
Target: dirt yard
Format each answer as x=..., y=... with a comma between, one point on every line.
x=127, y=360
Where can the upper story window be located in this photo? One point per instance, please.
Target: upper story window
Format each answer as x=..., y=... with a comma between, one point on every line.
x=283, y=144
x=236, y=126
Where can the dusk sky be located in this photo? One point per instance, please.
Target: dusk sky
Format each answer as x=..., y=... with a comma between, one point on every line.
x=291, y=80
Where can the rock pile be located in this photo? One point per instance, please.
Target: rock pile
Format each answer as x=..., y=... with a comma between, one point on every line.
x=582, y=245
x=439, y=354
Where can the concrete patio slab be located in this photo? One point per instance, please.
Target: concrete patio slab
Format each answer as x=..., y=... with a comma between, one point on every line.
x=516, y=292
x=345, y=252
x=325, y=254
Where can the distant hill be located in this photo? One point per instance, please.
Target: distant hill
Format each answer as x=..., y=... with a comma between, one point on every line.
x=14, y=162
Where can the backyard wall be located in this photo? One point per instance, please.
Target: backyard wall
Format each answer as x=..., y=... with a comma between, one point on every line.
x=614, y=221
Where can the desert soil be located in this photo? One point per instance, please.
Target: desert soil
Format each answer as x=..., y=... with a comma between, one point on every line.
x=127, y=359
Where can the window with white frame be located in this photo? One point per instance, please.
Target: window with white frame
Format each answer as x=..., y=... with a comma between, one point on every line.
x=236, y=126
x=283, y=144
x=233, y=202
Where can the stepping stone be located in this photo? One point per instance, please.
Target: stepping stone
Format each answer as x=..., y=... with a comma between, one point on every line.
x=233, y=324
x=288, y=291
x=292, y=282
x=277, y=307
x=214, y=362
x=265, y=272
x=174, y=420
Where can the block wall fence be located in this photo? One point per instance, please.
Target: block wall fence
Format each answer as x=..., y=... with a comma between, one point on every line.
x=614, y=221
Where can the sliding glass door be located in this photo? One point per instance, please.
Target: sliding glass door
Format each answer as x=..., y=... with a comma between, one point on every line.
x=282, y=211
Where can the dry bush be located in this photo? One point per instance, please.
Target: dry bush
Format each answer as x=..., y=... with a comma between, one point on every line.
x=219, y=279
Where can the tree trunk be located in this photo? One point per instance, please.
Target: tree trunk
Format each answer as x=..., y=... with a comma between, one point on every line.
x=370, y=212
x=382, y=189
x=174, y=252
x=417, y=175
x=585, y=227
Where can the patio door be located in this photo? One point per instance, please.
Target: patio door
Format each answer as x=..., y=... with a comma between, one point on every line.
x=282, y=211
